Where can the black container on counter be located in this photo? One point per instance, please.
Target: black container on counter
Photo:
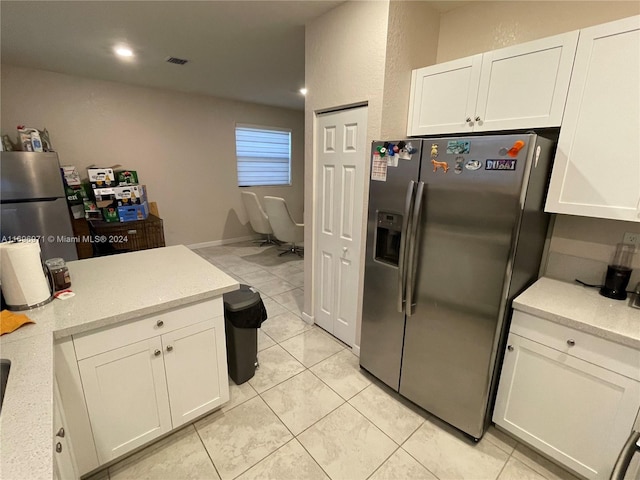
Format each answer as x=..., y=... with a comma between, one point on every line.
x=59, y=273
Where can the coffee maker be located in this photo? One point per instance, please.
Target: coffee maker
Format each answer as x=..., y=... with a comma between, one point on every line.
x=618, y=273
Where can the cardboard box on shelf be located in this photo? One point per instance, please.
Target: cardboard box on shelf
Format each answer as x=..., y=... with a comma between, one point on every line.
x=102, y=194
x=126, y=177
x=101, y=177
x=91, y=210
x=130, y=195
x=110, y=214
x=90, y=205
x=76, y=195
x=70, y=175
x=133, y=212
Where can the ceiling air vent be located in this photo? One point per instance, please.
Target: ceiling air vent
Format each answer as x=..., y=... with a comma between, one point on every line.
x=176, y=60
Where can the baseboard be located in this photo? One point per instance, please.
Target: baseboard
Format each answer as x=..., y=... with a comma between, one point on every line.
x=308, y=318
x=217, y=243
x=356, y=350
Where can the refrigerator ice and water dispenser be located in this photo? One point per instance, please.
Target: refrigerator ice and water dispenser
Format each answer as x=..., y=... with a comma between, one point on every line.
x=388, y=236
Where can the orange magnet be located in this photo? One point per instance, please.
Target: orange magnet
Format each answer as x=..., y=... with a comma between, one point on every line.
x=517, y=146
x=436, y=165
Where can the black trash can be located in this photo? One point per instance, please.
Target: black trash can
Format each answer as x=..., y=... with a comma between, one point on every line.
x=244, y=312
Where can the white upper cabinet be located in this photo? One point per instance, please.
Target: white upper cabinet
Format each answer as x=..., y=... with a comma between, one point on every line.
x=525, y=86
x=443, y=97
x=522, y=86
x=597, y=165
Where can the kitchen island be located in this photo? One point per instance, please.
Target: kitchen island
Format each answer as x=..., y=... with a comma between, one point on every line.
x=108, y=291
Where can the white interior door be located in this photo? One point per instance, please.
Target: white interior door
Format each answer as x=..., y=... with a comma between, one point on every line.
x=341, y=154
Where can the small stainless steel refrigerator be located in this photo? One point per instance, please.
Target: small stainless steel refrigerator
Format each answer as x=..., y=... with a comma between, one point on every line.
x=33, y=202
x=455, y=231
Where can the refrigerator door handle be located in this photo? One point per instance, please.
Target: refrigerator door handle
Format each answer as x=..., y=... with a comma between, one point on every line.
x=402, y=271
x=412, y=266
x=624, y=459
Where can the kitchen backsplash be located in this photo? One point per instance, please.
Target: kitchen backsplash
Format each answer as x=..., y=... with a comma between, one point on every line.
x=582, y=247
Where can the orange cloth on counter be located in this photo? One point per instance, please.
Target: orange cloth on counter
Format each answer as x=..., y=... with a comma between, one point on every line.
x=12, y=321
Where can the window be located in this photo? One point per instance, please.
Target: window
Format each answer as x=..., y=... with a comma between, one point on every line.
x=264, y=156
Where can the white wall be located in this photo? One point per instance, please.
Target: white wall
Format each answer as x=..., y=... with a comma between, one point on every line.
x=182, y=145
x=345, y=65
x=580, y=247
x=363, y=52
x=483, y=26
x=412, y=42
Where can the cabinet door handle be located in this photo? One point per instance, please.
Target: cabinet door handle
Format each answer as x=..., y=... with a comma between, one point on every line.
x=58, y=447
x=159, y=323
x=477, y=119
x=571, y=342
x=510, y=348
x=169, y=348
x=468, y=119
x=157, y=353
x=60, y=433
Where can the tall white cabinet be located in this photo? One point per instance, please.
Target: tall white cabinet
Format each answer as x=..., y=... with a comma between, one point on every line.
x=597, y=165
x=522, y=86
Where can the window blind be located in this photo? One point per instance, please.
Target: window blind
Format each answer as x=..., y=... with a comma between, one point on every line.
x=263, y=155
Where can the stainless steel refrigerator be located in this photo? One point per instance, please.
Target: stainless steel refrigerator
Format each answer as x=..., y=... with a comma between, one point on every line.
x=454, y=233
x=33, y=202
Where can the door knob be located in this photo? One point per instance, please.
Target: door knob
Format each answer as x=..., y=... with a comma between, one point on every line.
x=571, y=342
x=60, y=433
x=344, y=249
x=169, y=348
x=468, y=119
x=58, y=447
x=159, y=323
x=510, y=348
x=157, y=353
x=477, y=119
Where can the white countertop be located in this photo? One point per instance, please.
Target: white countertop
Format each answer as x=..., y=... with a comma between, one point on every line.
x=108, y=290
x=582, y=308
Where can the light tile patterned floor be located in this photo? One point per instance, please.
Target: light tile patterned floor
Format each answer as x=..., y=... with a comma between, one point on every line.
x=311, y=413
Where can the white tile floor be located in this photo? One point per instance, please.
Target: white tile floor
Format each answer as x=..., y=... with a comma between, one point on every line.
x=311, y=413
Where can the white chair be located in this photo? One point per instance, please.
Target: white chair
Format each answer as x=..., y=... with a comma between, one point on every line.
x=258, y=219
x=284, y=228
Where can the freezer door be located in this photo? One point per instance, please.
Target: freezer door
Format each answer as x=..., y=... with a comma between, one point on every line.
x=470, y=210
x=30, y=175
x=382, y=329
x=47, y=220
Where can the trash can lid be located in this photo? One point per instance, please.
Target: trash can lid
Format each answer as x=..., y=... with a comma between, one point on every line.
x=245, y=297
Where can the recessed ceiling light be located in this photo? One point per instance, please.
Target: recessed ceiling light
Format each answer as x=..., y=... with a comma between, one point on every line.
x=123, y=51
x=303, y=91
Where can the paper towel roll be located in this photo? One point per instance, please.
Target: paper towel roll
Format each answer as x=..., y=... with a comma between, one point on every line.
x=24, y=284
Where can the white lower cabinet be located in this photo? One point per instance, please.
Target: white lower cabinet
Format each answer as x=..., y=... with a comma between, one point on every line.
x=192, y=369
x=569, y=408
x=139, y=391
x=64, y=461
x=127, y=399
